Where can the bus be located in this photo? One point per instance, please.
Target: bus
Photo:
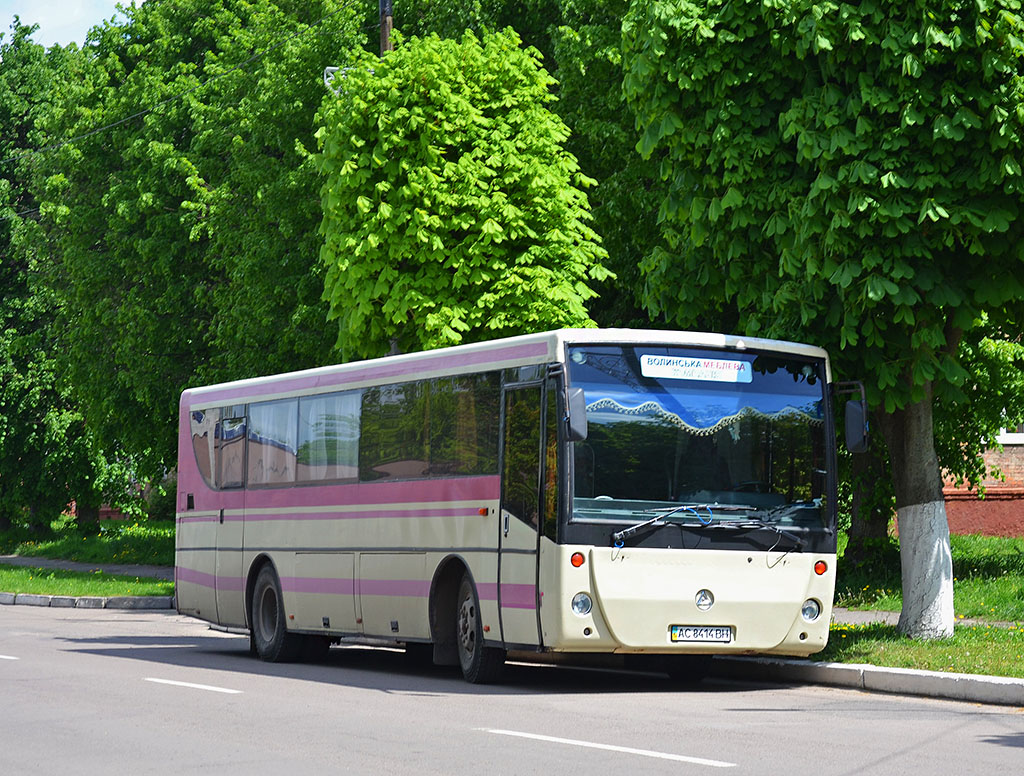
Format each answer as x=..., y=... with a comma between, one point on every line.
x=581, y=491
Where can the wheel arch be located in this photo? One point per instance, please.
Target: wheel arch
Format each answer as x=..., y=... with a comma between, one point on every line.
x=444, y=590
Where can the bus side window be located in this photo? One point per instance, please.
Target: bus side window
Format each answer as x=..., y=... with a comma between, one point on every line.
x=551, y=465
x=230, y=448
x=204, y=424
x=520, y=493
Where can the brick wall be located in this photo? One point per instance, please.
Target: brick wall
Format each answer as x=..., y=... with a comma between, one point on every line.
x=1001, y=512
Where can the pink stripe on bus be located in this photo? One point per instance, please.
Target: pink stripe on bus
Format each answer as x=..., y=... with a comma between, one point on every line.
x=369, y=495
x=182, y=574
x=513, y=596
x=203, y=579
x=406, y=588
x=325, y=585
x=408, y=368
x=372, y=493
x=361, y=515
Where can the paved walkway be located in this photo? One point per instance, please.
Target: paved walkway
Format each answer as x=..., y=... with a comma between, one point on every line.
x=121, y=569
x=859, y=617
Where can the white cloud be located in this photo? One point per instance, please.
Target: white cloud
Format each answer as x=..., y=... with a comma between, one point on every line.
x=60, y=21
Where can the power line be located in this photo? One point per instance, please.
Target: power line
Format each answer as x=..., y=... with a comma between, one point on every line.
x=162, y=103
x=19, y=215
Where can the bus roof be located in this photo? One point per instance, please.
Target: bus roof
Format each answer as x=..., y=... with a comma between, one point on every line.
x=510, y=352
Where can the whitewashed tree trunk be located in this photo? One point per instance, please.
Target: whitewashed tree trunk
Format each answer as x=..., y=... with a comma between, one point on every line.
x=925, y=558
x=927, y=570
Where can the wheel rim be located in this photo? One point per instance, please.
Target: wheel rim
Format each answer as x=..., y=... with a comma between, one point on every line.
x=467, y=626
x=267, y=618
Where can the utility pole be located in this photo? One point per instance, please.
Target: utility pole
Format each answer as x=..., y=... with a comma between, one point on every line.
x=386, y=24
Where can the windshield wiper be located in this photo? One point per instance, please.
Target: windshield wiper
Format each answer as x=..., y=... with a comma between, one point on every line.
x=754, y=520
x=666, y=512
x=754, y=523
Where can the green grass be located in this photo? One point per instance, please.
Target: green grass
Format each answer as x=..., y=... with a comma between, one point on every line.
x=18, y=579
x=988, y=581
x=979, y=649
x=147, y=542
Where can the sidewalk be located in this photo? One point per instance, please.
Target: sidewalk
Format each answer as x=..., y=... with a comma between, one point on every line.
x=147, y=603
x=869, y=678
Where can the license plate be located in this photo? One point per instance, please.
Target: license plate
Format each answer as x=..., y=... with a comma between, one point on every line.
x=719, y=634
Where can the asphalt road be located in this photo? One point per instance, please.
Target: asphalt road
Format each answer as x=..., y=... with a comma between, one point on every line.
x=91, y=692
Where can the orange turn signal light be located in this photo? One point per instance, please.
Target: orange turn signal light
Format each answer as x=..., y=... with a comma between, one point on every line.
x=577, y=559
x=483, y=510
x=820, y=567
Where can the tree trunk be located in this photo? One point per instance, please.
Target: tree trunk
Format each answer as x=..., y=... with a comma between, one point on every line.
x=88, y=514
x=925, y=559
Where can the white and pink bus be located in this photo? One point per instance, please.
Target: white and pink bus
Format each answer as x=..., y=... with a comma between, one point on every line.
x=577, y=491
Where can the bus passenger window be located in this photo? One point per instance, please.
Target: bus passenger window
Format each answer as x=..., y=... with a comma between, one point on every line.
x=328, y=437
x=230, y=448
x=273, y=432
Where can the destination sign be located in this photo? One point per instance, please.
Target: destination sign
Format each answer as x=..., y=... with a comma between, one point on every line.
x=717, y=370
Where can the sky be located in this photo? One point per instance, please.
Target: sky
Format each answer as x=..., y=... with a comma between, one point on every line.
x=60, y=21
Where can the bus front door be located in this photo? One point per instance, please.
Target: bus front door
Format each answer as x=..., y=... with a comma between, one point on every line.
x=518, y=598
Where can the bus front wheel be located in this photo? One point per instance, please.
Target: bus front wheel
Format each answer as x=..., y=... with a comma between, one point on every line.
x=480, y=664
x=270, y=637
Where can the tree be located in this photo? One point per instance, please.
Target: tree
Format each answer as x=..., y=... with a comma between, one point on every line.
x=580, y=44
x=48, y=456
x=846, y=175
x=451, y=211
x=182, y=217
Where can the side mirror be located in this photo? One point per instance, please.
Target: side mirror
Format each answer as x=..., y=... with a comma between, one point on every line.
x=577, y=414
x=856, y=426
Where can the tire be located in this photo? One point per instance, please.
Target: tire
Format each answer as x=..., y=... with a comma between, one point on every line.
x=270, y=637
x=480, y=664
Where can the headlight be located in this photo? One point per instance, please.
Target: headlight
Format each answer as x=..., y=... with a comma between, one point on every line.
x=581, y=604
x=811, y=610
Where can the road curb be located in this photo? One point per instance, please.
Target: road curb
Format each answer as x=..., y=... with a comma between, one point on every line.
x=135, y=603
x=1000, y=690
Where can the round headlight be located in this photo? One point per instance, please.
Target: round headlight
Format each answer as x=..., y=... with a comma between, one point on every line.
x=581, y=604
x=811, y=610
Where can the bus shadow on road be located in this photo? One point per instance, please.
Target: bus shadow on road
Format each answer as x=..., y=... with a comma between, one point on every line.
x=387, y=669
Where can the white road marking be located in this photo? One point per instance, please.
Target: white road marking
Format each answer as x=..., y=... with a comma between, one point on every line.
x=8, y=657
x=612, y=748
x=207, y=687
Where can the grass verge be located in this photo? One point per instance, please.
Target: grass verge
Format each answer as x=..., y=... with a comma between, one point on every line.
x=147, y=542
x=977, y=649
x=23, y=579
x=988, y=581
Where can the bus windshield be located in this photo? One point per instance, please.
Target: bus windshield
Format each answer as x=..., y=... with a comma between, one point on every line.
x=702, y=436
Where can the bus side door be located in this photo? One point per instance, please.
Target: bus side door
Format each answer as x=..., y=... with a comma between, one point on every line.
x=518, y=595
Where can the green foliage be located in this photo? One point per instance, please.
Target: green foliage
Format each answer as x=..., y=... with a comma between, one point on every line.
x=183, y=239
x=857, y=160
x=587, y=54
x=993, y=399
x=580, y=43
x=145, y=542
x=48, y=458
x=988, y=575
x=451, y=212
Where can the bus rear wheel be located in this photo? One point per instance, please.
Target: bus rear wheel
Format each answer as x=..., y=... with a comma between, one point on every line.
x=480, y=664
x=270, y=637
